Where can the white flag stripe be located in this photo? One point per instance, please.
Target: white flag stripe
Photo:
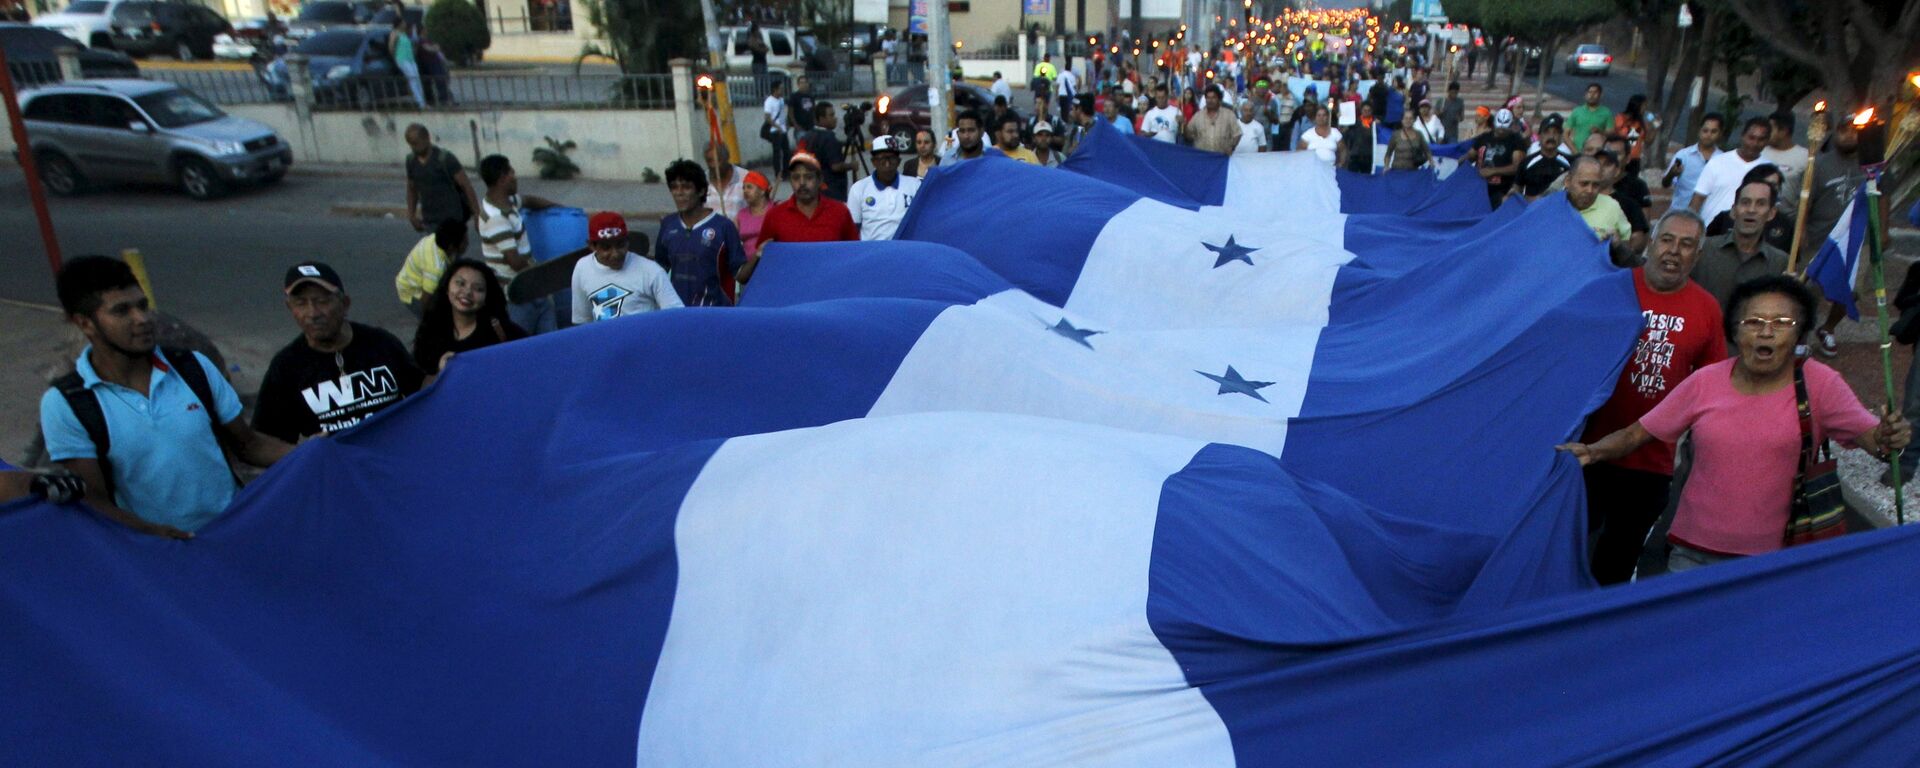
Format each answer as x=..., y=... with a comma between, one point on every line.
x=1002, y=592
x=1274, y=182
x=1160, y=267
x=1009, y=354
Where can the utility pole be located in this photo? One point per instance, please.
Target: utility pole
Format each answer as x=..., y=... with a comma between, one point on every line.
x=939, y=47
x=720, y=103
x=30, y=165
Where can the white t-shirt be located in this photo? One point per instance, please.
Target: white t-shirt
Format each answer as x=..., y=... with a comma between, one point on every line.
x=1323, y=147
x=1069, y=84
x=501, y=231
x=1792, y=162
x=730, y=201
x=639, y=285
x=1252, y=138
x=1720, y=182
x=776, y=111
x=1432, y=130
x=878, y=211
x=1162, y=123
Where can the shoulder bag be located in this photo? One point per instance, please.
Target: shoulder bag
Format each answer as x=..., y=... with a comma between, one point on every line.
x=1819, y=509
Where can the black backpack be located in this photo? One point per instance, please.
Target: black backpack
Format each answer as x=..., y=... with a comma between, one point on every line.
x=86, y=406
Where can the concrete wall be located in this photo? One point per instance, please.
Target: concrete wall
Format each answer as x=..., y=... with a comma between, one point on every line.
x=613, y=144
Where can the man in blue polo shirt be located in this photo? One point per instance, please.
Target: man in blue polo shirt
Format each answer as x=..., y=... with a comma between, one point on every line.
x=164, y=472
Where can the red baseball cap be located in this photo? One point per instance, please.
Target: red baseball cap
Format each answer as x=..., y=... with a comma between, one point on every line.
x=606, y=225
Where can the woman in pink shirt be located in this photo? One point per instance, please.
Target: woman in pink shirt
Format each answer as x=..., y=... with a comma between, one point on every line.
x=1744, y=417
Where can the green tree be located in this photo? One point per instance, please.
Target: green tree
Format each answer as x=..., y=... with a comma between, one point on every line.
x=459, y=29
x=643, y=35
x=1860, y=49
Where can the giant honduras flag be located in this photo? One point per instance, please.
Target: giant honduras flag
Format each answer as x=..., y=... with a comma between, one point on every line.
x=1837, y=266
x=984, y=505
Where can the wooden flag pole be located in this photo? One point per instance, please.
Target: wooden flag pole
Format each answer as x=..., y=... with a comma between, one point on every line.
x=1816, y=135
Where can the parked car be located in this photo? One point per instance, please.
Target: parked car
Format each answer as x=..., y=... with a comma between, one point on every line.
x=145, y=131
x=322, y=15
x=1534, y=58
x=86, y=21
x=249, y=38
x=1590, y=59
x=906, y=110
x=416, y=16
x=785, y=45
x=33, y=56
x=349, y=66
x=861, y=44
x=182, y=30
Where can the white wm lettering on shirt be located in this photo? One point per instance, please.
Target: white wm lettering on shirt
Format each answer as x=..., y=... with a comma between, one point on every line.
x=350, y=389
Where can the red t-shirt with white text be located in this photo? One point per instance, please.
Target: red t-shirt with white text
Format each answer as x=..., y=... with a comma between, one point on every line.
x=1683, y=334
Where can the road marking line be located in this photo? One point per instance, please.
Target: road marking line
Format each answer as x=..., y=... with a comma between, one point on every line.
x=33, y=305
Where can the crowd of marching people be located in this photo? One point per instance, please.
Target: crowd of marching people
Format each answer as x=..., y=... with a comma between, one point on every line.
x=145, y=430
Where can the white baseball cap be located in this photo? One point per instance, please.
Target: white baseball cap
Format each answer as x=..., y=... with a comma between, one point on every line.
x=886, y=143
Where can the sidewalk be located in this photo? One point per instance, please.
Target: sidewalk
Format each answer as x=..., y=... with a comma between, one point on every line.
x=380, y=191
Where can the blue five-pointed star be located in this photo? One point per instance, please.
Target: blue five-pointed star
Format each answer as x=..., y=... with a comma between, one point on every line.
x=1234, y=383
x=1230, y=252
x=1076, y=335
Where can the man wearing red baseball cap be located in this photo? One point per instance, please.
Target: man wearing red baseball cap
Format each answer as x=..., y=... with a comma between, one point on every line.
x=807, y=217
x=616, y=282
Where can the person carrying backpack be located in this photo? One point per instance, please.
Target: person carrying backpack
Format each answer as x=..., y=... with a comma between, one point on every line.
x=148, y=429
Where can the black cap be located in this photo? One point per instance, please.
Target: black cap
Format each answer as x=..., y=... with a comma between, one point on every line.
x=316, y=273
x=1553, y=121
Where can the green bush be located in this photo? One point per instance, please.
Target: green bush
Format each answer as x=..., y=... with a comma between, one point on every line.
x=459, y=29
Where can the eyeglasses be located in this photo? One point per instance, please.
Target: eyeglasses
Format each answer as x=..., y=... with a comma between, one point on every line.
x=1758, y=324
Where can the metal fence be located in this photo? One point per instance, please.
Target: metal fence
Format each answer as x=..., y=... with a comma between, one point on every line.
x=549, y=19
x=219, y=86
x=906, y=74
x=27, y=74
x=502, y=92
x=1007, y=51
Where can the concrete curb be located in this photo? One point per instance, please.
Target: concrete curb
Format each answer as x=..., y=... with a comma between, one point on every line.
x=391, y=211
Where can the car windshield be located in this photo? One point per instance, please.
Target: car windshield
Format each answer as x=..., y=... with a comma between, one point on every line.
x=88, y=7
x=345, y=42
x=175, y=108
x=33, y=42
x=327, y=13
x=1592, y=49
x=133, y=14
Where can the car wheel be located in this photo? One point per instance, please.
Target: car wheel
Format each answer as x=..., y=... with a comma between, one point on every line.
x=199, y=180
x=58, y=174
x=902, y=133
x=274, y=178
x=183, y=50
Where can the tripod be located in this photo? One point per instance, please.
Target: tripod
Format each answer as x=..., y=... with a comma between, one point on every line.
x=856, y=139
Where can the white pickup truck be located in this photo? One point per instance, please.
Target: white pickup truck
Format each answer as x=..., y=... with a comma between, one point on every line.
x=785, y=46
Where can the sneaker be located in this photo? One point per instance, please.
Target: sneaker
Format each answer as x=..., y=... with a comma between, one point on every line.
x=1829, y=346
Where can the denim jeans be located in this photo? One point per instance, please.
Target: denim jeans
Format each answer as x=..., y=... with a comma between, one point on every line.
x=412, y=71
x=1685, y=558
x=534, y=317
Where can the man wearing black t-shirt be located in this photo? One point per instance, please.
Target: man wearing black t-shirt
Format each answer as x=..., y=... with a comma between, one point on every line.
x=800, y=104
x=336, y=373
x=1498, y=154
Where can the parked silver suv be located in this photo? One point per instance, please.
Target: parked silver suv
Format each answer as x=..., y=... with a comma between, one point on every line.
x=142, y=130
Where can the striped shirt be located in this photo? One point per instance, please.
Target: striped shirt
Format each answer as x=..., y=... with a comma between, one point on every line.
x=502, y=231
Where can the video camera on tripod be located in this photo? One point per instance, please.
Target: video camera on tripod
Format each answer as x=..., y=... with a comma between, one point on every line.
x=853, y=124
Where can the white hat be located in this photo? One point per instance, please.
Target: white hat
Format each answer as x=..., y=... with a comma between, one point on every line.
x=886, y=143
x=1503, y=118
x=1043, y=126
